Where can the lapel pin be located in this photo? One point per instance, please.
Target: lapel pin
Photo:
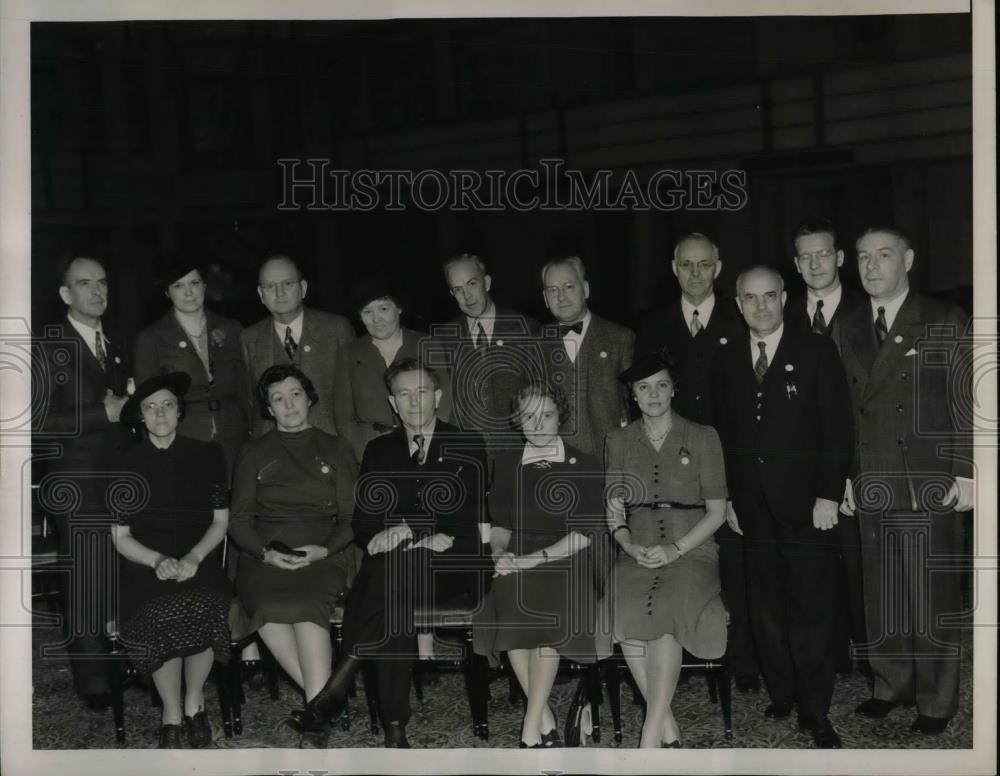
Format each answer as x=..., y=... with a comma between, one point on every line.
x=604, y=354
x=182, y=344
x=117, y=360
x=325, y=469
x=723, y=340
x=897, y=339
x=307, y=348
x=789, y=368
x=499, y=343
x=572, y=460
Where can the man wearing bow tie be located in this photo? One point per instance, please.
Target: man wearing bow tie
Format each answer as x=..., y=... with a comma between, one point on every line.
x=84, y=375
x=818, y=259
x=909, y=367
x=692, y=329
x=586, y=353
x=293, y=334
x=781, y=408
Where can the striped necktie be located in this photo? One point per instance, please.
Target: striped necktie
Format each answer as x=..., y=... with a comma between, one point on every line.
x=760, y=368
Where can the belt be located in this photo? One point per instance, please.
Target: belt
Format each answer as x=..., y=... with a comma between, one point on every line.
x=213, y=404
x=664, y=505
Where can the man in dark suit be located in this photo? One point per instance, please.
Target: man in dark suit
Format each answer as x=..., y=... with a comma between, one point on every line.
x=908, y=368
x=693, y=329
x=84, y=377
x=419, y=514
x=489, y=351
x=784, y=417
x=293, y=334
x=818, y=258
x=585, y=355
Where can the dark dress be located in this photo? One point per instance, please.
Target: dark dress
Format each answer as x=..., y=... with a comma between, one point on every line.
x=296, y=487
x=555, y=603
x=164, y=619
x=683, y=597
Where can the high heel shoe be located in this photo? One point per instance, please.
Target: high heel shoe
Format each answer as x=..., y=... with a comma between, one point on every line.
x=551, y=739
x=329, y=702
x=672, y=745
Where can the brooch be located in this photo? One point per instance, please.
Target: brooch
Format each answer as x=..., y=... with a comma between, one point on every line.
x=791, y=389
x=218, y=337
x=685, y=455
x=323, y=465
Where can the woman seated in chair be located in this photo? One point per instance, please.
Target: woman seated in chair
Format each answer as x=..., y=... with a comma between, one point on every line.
x=293, y=497
x=545, y=504
x=174, y=595
x=666, y=497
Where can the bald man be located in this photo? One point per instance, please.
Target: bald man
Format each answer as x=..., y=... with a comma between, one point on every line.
x=782, y=410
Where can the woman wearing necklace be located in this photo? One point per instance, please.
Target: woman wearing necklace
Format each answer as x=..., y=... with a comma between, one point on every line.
x=361, y=402
x=191, y=338
x=666, y=493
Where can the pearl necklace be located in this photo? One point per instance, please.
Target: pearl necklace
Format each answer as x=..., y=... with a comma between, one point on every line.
x=653, y=439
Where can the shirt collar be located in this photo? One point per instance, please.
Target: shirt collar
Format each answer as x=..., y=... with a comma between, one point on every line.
x=296, y=327
x=586, y=325
x=556, y=453
x=704, y=309
x=88, y=333
x=891, y=307
x=830, y=302
x=428, y=436
x=770, y=341
x=487, y=319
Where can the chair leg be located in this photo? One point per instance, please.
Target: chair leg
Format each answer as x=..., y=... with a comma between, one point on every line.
x=270, y=672
x=594, y=682
x=116, y=681
x=477, y=688
x=370, y=678
x=712, y=679
x=613, y=681
x=726, y=698
x=222, y=687
x=418, y=680
x=234, y=676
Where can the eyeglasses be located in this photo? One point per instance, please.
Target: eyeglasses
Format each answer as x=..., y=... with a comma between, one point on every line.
x=284, y=285
x=687, y=266
x=152, y=406
x=826, y=253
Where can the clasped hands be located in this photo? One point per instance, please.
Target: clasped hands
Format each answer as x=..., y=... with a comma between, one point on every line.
x=289, y=562
x=505, y=563
x=390, y=538
x=651, y=556
x=179, y=569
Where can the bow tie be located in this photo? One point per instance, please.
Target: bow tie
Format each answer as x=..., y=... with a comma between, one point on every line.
x=565, y=329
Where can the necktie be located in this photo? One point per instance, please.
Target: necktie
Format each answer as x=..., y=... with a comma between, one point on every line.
x=102, y=356
x=695, y=324
x=819, y=320
x=565, y=329
x=881, y=328
x=482, y=342
x=418, y=455
x=760, y=368
x=291, y=346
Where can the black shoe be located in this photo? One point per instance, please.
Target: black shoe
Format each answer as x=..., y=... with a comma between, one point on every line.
x=873, y=708
x=672, y=745
x=199, y=732
x=747, y=683
x=395, y=736
x=532, y=746
x=97, y=702
x=929, y=726
x=329, y=702
x=170, y=737
x=824, y=736
x=778, y=710
x=551, y=739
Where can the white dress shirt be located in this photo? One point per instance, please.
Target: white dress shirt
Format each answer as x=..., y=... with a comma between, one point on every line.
x=296, y=326
x=573, y=341
x=770, y=345
x=89, y=334
x=555, y=453
x=891, y=308
x=488, y=319
x=830, y=303
x=704, y=310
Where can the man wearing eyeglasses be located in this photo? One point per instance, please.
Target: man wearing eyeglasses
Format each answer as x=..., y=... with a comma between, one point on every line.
x=293, y=334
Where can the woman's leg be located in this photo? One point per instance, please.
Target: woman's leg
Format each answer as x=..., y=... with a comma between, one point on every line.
x=167, y=679
x=196, y=671
x=280, y=639
x=635, y=653
x=315, y=656
x=663, y=667
x=543, y=664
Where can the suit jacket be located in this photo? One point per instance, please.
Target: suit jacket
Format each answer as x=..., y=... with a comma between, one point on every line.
x=165, y=347
x=360, y=397
x=446, y=494
x=789, y=438
x=322, y=334
x=68, y=402
x=692, y=355
x=483, y=384
x=598, y=399
x=797, y=311
x=912, y=402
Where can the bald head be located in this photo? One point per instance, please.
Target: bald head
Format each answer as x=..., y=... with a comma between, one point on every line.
x=760, y=293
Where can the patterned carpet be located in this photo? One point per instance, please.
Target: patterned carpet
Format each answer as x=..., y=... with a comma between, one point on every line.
x=443, y=720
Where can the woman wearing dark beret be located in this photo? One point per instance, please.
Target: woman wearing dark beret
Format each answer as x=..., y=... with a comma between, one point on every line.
x=172, y=514
x=361, y=401
x=666, y=493
x=193, y=339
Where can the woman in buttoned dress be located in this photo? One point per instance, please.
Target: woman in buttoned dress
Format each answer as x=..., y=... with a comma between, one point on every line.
x=293, y=499
x=666, y=494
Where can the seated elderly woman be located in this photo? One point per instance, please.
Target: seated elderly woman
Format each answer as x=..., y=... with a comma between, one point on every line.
x=293, y=497
x=666, y=491
x=174, y=596
x=545, y=505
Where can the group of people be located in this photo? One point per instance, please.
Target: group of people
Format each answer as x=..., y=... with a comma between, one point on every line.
x=760, y=480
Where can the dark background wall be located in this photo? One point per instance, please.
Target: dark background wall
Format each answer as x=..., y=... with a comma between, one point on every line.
x=150, y=139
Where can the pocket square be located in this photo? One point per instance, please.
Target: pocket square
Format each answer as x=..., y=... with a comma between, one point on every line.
x=911, y=352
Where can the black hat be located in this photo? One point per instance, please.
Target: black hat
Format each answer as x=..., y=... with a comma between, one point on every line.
x=175, y=382
x=648, y=365
x=374, y=287
x=178, y=267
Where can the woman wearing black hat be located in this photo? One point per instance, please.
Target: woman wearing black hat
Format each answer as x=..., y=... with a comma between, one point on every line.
x=171, y=516
x=361, y=404
x=193, y=339
x=666, y=491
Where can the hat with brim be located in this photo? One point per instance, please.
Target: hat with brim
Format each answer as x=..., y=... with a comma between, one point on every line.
x=647, y=366
x=175, y=382
x=178, y=268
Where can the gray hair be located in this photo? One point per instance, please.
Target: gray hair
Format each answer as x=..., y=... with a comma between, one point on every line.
x=697, y=236
x=758, y=268
x=448, y=263
x=574, y=261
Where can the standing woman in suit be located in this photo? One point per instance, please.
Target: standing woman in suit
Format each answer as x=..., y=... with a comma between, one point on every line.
x=361, y=407
x=191, y=338
x=666, y=489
